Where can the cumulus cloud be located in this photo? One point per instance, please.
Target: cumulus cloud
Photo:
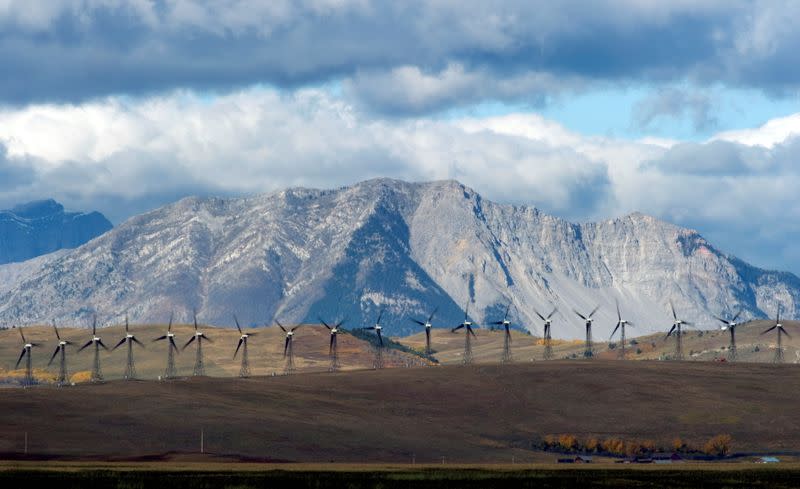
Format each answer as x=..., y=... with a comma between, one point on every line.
x=125, y=155
x=401, y=58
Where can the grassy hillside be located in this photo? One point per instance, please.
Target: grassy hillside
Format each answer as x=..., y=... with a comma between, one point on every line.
x=265, y=351
x=697, y=345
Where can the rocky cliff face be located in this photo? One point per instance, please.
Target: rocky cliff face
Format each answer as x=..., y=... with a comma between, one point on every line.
x=301, y=254
x=42, y=227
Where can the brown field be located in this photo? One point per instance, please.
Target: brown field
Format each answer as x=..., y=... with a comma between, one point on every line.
x=697, y=345
x=265, y=351
x=477, y=414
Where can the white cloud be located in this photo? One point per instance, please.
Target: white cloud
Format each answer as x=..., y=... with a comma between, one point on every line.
x=772, y=132
x=115, y=153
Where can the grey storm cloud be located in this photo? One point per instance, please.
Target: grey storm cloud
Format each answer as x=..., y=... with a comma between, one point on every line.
x=427, y=55
x=675, y=103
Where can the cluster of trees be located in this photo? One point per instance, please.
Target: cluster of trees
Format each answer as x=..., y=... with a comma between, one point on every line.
x=718, y=446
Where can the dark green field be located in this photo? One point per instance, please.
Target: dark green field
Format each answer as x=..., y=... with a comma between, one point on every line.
x=434, y=478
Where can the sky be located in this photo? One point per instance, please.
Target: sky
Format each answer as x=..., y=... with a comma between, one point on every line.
x=685, y=110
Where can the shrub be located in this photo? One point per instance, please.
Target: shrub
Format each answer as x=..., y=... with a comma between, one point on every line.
x=678, y=445
x=568, y=442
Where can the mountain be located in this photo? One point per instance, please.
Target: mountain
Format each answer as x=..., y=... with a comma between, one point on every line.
x=42, y=227
x=300, y=254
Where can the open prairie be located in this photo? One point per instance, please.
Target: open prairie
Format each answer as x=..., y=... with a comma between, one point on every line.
x=482, y=413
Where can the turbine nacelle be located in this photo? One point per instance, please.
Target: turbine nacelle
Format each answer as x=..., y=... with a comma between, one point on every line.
x=95, y=339
x=28, y=346
x=62, y=343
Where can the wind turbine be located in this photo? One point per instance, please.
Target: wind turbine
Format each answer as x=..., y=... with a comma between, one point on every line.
x=333, y=351
x=621, y=323
x=288, y=347
x=505, y=323
x=172, y=348
x=378, y=362
x=779, y=328
x=730, y=326
x=588, y=351
x=129, y=340
x=427, y=325
x=61, y=348
x=199, y=367
x=97, y=373
x=548, y=322
x=468, y=333
x=244, y=370
x=26, y=351
x=676, y=329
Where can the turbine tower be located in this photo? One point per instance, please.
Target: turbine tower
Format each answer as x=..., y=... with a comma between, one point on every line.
x=468, y=334
x=244, y=370
x=61, y=348
x=288, y=347
x=676, y=329
x=129, y=340
x=378, y=362
x=97, y=373
x=199, y=367
x=621, y=323
x=588, y=350
x=427, y=325
x=730, y=326
x=172, y=348
x=779, y=328
x=26, y=352
x=505, y=323
x=333, y=350
x=548, y=322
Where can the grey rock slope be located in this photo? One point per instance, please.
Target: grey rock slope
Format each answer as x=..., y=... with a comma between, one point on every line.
x=42, y=227
x=300, y=254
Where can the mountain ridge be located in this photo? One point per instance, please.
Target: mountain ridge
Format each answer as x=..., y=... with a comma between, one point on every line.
x=299, y=254
x=40, y=227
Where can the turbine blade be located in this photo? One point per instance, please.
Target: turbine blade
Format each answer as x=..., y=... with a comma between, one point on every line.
x=540, y=316
x=457, y=328
x=671, y=306
x=380, y=338
x=579, y=314
x=237, y=324
x=324, y=323
x=295, y=328
x=785, y=332
x=241, y=340
x=769, y=329
x=726, y=323
x=84, y=346
x=614, y=332
x=119, y=344
x=58, y=348
x=505, y=315
x=203, y=335
x=687, y=323
x=555, y=310
x=469, y=330
x=160, y=338
x=380, y=315
x=280, y=325
x=100, y=342
x=737, y=315
x=173, y=345
x=24, y=350
x=435, y=309
x=138, y=342
x=56, y=330
x=619, y=315
x=286, y=347
x=670, y=331
x=330, y=348
x=594, y=310
x=189, y=342
x=171, y=317
x=94, y=325
x=417, y=321
x=22, y=334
